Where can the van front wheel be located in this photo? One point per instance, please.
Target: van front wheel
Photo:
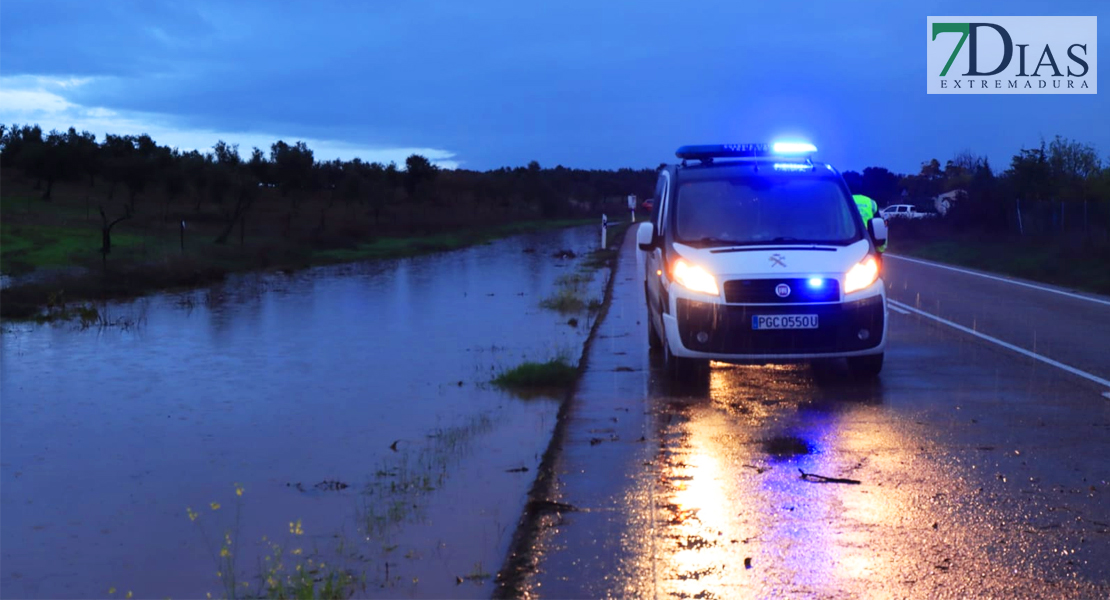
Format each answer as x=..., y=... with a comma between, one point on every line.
x=866, y=367
x=686, y=370
x=654, y=343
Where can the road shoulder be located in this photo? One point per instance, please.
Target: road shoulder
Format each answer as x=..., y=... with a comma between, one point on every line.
x=578, y=534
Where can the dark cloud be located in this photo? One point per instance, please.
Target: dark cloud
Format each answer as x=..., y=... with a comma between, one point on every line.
x=577, y=83
x=55, y=37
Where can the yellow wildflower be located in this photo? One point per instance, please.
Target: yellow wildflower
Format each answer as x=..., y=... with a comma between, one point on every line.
x=128, y=593
x=192, y=515
x=111, y=590
x=297, y=551
x=295, y=528
x=224, y=552
x=215, y=505
x=238, y=489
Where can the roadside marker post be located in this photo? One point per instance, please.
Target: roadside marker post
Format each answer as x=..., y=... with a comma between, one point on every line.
x=632, y=206
x=182, y=236
x=604, y=228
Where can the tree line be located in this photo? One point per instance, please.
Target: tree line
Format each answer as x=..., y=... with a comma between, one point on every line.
x=137, y=172
x=1060, y=186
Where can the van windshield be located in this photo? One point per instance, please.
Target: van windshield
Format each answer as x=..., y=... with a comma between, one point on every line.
x=764, y=210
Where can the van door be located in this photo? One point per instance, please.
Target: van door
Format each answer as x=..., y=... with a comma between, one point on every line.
x=654, y=262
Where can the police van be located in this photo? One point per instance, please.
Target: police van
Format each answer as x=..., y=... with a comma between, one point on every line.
x=756, y=253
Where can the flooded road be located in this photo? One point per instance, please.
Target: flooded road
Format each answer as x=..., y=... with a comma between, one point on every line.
x=343, y=414
x=966, y=471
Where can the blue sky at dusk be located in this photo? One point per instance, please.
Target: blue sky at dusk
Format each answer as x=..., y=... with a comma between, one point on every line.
x=485, y=84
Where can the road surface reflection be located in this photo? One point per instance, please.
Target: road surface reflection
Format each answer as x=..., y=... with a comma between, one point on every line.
x=736, y=519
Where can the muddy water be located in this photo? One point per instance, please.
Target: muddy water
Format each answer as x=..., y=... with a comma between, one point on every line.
x=353, y=399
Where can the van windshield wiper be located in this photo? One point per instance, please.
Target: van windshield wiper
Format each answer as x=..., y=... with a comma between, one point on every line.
x=711, y=241
x=794, y=240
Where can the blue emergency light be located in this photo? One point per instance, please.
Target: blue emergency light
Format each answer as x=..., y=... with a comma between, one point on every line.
x=793, y=148
x=784, y=150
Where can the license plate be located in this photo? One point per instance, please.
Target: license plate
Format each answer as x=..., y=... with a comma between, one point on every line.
x=784, y=321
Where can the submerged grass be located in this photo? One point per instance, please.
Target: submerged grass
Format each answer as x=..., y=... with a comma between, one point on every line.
x=570, y=294
x=289, y=571
x=399, y=489
x=555, y=373
x=399, y=247
x=565, y=300
x=135, y=267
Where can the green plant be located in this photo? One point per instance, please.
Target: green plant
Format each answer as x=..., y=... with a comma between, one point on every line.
x=284, y=574
x=555, y=373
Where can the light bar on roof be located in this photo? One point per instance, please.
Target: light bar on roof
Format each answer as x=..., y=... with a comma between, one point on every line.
x=708, y=152
x=793, y=148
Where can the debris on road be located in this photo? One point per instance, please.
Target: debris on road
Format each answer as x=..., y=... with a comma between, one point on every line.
x=549, y=506
x=327, y=485
x=823, y=479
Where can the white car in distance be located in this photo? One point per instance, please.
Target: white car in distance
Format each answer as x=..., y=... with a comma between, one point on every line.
x=902, y=211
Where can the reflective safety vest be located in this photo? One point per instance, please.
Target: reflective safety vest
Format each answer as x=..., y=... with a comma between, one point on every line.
x=867, y=210
x=867, y=207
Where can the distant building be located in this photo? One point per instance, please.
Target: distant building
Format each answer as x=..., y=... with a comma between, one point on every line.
x=945, y=201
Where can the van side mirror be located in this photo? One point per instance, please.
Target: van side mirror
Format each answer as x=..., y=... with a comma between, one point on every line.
x=878, y=231
x=645, y=237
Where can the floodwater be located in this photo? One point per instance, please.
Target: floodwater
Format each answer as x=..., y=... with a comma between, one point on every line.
x=351, y=406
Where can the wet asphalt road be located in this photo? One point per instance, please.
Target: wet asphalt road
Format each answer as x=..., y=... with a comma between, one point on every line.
x=983, y=473
x=1069, y=327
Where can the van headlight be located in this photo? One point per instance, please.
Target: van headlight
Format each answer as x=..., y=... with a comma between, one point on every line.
x=862, y=275
x=694, y=278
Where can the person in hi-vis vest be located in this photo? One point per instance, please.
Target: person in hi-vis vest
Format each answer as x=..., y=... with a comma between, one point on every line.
x=867, y=209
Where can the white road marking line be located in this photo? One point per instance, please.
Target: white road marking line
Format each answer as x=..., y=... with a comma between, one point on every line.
x=1003, y=279
x=1007, y=345
x=895, y=308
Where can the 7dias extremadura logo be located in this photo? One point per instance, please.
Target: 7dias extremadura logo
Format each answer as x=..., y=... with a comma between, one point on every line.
x=1012, y=55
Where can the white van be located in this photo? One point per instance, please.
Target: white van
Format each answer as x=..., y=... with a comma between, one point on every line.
x=757, y=254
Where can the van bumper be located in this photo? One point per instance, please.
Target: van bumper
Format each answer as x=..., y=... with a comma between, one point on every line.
x=845, y=329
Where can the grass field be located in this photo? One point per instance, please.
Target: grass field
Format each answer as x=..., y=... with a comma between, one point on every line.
x=52, y=248
x=1067, y=263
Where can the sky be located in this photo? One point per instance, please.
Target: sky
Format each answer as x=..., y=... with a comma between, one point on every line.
x=485, y=84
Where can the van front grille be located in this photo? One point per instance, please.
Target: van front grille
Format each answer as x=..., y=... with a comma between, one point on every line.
x=764, y=291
